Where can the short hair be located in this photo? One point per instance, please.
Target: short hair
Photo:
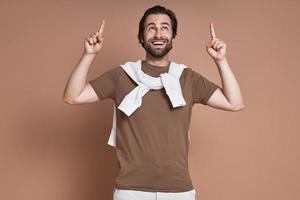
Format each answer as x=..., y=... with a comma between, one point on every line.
x=157, y=10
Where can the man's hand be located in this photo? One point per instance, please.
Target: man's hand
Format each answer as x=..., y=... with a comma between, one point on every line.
x=216, y=48
x=94, y=43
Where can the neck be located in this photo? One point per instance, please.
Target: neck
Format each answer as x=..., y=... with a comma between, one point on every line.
x=160, y=62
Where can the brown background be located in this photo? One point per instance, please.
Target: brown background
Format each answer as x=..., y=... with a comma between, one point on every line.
x=52, y=150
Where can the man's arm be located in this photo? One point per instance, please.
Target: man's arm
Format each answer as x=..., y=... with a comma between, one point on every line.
x=77, y=89
x=230, y=97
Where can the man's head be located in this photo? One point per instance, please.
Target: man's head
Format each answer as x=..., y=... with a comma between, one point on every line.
x=157, y=25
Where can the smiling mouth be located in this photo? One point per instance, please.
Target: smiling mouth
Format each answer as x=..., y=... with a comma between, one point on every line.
x=158, y=43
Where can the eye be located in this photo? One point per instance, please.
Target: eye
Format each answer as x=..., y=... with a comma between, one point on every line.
x=165, y=27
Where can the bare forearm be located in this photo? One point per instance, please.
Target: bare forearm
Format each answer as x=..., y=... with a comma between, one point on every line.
x=230, y=86
x=78, y=78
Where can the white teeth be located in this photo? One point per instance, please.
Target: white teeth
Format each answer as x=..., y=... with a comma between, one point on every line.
x=158, y=43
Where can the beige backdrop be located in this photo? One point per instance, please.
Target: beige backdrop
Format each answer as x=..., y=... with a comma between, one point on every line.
x=51, y=150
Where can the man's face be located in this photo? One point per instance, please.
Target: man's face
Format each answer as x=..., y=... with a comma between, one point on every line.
x=158, y=35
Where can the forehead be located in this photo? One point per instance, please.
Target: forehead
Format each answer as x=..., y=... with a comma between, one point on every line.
x=157, y=19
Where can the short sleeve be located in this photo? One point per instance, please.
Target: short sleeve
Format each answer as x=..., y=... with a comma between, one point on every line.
x=202, y=88
x=105, y=84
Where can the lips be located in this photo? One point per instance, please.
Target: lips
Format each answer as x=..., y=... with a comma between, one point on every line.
x=158, y=43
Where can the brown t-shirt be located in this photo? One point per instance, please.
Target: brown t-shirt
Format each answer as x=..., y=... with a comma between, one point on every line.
x=152, y=144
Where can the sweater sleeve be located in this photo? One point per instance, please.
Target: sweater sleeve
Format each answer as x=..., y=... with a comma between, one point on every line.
x=202, y=88
x=105, y=84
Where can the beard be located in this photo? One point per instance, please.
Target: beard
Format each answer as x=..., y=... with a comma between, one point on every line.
x=157, y=52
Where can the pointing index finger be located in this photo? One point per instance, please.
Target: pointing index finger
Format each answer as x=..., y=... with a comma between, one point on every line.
x=100, y=31
x=212, y=30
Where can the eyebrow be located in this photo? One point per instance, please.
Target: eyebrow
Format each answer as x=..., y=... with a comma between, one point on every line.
x=151, y=23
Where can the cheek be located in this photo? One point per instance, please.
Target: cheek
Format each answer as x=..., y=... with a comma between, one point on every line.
x=148, y=36
x=168, y=35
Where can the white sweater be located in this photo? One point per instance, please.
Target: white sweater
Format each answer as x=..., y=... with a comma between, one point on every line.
x=133, y=100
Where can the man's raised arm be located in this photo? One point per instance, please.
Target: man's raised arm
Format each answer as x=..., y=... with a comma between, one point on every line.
x=230, y=97
x=77, y=89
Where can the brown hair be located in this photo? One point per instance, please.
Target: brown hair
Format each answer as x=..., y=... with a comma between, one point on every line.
x=157, y=10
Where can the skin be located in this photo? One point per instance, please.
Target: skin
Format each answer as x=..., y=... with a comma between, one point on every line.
x=158, y=27
x=229, y=97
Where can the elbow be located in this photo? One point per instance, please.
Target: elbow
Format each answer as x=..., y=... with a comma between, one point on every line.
x=68, y=100
x=239, y=107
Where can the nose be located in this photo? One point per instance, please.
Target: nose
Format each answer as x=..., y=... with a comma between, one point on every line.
x=158, y=33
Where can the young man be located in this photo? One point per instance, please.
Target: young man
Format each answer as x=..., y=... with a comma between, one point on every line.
x=152, y=142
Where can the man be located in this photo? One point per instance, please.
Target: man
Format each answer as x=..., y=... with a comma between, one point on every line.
x=152, y=143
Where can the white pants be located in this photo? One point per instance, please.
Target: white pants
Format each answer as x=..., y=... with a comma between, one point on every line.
x=121, y=194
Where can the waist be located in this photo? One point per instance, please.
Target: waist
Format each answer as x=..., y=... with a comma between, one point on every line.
x=159, y=179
